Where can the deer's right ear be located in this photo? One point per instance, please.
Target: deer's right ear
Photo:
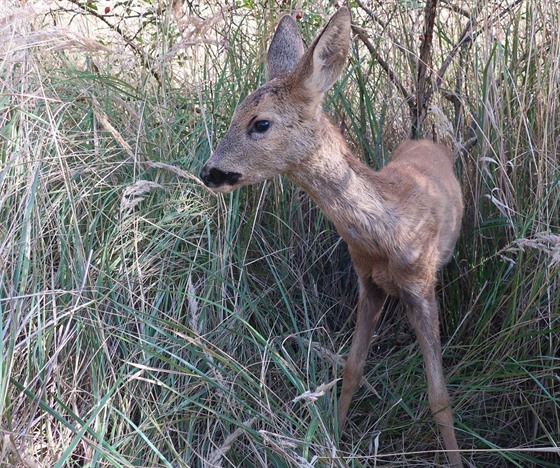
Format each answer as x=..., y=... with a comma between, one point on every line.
x=285, y=50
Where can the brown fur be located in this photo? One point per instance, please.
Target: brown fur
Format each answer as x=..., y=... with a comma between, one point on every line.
x=400, y=223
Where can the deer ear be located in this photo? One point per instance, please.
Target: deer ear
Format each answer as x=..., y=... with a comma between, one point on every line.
x=326, y=58
x=285, y=50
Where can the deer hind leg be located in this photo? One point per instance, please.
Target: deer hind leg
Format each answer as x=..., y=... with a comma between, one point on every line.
x=369, y=311
x=423, y=317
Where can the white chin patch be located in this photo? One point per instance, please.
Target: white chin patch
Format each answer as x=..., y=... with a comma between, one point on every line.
x=226, y=188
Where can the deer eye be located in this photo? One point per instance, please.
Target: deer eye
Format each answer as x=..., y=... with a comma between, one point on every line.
x=261, y=126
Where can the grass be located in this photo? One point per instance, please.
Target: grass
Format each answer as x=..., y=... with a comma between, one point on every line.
x=147, y=322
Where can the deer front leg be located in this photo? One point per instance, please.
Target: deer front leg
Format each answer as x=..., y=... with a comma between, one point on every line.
x=423, y=317
x=369, y=310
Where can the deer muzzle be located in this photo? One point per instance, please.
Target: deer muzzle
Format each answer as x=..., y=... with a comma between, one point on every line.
x=215, y=178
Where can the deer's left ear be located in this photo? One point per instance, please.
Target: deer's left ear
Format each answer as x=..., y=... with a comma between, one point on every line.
x=326, y=58
x=285, y=50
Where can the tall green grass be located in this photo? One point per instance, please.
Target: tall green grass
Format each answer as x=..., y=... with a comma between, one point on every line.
x=147, y=322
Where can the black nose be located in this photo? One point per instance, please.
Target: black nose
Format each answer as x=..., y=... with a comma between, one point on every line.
x=213, y=177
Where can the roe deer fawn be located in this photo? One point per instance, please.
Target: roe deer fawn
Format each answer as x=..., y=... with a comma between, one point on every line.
x=400, y=223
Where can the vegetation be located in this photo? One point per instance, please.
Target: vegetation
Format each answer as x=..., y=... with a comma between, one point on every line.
x=147, y=322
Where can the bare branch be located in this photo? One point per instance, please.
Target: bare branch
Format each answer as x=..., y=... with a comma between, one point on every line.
x=467, y=36
x=137, y=50
x=388, y=70
x=386, y=31
x=423, y=64
x=457, y=9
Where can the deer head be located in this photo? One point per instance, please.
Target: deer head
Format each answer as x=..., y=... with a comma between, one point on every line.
x=278, y=127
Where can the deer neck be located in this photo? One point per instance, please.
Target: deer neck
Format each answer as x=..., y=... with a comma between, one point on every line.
x=346, y=190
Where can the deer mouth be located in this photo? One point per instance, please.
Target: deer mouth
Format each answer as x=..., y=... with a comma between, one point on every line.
x=218, y=180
